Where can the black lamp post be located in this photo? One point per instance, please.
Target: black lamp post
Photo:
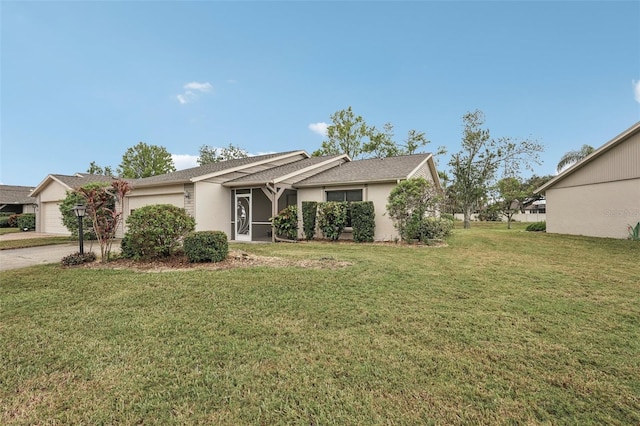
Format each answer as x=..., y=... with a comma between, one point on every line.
x=80, y=210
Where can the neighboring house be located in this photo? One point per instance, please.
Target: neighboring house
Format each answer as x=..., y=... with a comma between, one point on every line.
x=15, y=199
x=50, y=192
x=240, y=196
x=600, y=195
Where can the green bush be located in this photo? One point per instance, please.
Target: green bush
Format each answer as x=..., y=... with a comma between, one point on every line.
x=69, y=218
x=27, y=221
x=448, y=216
x=309, y=213
x=537, y=226
x=363, y=221
x=4, y=222
x=156, y=231
x=332, y=218
x=78, y=259
x=428, y=228
x=206, y=246
x=286, y=222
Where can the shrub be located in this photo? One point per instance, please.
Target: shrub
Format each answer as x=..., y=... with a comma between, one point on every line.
x=448, y=216
x=156, y=231
x=206, y=246
x=435, y=228
x=634, y=232
x=408, y=202
x=363, y=221
x=332, y=218
x=78, y=259
x=13, y=220
x=69, y=219
x=4, y=222
x=27, y=221
x=537, y=226
x=309, y=213
x=286, y=222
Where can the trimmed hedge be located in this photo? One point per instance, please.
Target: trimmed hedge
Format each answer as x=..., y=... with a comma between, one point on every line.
x=206, y=246
x=537, y=227
x=309, y=213
x=156, y=231
x=332, y=218
x=363, y=221
x=27, y=221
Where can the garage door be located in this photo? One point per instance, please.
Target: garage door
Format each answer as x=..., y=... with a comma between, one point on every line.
x=52, y=219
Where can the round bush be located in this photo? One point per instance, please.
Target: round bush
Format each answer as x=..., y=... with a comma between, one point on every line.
x=156, y=231
x=537, y=226
x=206, y=246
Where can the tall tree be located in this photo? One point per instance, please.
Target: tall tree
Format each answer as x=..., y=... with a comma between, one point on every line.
x=350, y=134
x=210, y=154
x=475, y=166
x=572, y=157
x=346, y=135
x=144, y=160
x=95, y=169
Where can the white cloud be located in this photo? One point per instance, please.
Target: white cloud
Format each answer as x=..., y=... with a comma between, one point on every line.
x=191, y=88
x=201, y=87
x=319, y=128
x=184, y=161
x=636, y=90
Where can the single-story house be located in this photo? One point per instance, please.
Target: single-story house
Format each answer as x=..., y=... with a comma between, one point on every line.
x=240, y=196
x=600, y=195
x=16, y=199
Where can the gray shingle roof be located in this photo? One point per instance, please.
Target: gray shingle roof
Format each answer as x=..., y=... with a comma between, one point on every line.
x=187, y=174
x=82, y=179
x=370, y=170
x=270, y=175
x=13, y=194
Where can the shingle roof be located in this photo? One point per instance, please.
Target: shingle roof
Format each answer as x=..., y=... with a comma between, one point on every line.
x=82, y=179
x=187, y=174
x=370, y=170
x=272, y=174
x=13, y=194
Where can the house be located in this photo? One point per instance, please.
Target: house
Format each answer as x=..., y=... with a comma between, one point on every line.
x=15, y=199
x=240, y=196
x=600, y=195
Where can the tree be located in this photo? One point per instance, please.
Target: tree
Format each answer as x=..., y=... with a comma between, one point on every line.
x=209, y=154
x=350, y=134
x=94, y=169
x=69, y=219
x=409, y=203
x=345, y=135
x=573, y=157
x=102, y=207
x=510, y=195
x=475, y=166
x=144, y=160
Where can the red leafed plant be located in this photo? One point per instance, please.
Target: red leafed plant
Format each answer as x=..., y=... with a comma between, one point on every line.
x=105, y=220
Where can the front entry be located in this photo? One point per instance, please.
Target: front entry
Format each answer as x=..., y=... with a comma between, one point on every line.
x=243, y=217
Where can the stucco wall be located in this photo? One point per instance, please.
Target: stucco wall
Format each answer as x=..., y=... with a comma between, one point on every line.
x=599, y=210
x=48, y=216
x=212, y=207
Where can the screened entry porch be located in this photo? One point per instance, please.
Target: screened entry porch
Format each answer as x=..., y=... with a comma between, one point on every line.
x=251, y=209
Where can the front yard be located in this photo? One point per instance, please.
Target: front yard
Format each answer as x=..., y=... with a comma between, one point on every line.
x=498, y=327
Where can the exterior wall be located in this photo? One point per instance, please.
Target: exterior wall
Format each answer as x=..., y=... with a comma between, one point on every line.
x=599, y=210
x=48, y=216
x=212, y=212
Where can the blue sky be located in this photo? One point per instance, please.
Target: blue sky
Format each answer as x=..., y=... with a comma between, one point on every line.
x=84, y=81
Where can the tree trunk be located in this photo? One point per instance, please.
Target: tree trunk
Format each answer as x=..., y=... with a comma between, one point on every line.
x=467, y=218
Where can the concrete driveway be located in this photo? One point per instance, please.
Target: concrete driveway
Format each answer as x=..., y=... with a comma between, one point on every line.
x=23, y=257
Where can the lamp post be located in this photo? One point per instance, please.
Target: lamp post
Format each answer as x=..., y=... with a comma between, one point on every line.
x=80, y=210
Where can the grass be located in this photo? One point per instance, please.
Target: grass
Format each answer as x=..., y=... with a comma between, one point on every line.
x=4, y=231
x=34, y=242
x=500, y=327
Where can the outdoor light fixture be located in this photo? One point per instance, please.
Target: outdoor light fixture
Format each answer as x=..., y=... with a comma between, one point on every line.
x=80, y=211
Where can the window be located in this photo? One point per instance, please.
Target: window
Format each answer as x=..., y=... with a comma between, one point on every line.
x=349, y=195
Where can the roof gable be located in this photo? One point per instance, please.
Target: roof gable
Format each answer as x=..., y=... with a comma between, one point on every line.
x=626, y=136
x=13, y=194
x=71, y=182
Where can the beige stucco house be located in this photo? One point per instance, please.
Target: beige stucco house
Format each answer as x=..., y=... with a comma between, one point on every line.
x=240, y=196
x=600, y=195
x=16, y=199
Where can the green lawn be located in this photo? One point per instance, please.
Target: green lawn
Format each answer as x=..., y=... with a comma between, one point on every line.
x=35, y=242
x=500, y=327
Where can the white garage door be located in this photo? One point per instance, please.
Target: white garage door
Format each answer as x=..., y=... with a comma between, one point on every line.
x=52, y=219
